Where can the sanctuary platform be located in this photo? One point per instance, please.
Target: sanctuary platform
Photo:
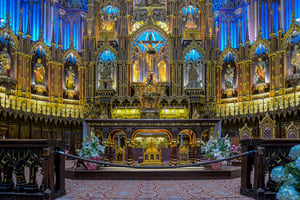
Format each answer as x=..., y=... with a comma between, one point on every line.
x=186, y=173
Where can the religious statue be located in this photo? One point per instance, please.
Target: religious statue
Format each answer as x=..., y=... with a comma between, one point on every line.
x=162, y=71
x=110, y=23
x=149, y=54
x=136, y=71
x=229, y=75
x=39, y=72
x=296, y=60
x=70, y=78
x=190, y=24
x=195, y=114
x=260, y=71
x=193, y=74
x=105, y=71
x=5, y=62
x=103, y=24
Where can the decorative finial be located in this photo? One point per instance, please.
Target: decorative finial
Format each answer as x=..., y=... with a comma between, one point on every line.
x=28, y=32
x=293, y=20
x=20, y=32
x=7, y=20
x=41, y=33
x=71, y=43
x=53, y=34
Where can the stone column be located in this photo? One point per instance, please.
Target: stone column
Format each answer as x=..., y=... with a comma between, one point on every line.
x=130, y=145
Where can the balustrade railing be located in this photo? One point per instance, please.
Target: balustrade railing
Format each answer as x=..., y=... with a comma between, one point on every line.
x=268, y=154
x=31, y=169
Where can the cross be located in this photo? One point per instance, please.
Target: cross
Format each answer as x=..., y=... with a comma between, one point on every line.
x=151, y=42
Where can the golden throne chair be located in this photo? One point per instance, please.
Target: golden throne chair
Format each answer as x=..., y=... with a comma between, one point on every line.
x=245, y=132
x=267, y=128
x=292, y=131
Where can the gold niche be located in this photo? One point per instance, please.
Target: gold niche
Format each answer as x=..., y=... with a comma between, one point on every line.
x=152, y=156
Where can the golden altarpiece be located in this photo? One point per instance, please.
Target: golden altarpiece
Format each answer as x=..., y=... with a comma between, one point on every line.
x=65, y=61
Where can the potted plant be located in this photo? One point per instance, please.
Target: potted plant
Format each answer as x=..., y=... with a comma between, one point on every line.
x=216, y=149
x=288, y=177
x=92, y=150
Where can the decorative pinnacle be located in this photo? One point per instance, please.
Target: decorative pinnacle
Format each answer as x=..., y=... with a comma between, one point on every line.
x=41, y=33
x=7, y=20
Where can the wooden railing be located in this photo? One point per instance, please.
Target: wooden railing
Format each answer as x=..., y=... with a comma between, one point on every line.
x=269, y=154
x=31, y=169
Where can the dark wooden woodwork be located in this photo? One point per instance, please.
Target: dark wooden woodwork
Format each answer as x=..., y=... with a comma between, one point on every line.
x=268, y=154
x=34, y=154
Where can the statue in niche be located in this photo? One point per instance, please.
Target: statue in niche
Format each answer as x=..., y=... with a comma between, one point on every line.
x=39, y=72
x=296, y=61
x=105, y=70
x=103, y=23
x=136, y=71
x=5, y=62
x=229, y=76
x=70, y=78
x=190, y=24
x=193, y=74
x=108, y=21
x=195, y=114
x=149, y=54
x=162, y=71
x=260, y=71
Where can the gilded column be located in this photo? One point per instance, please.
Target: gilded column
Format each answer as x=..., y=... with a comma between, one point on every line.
x=198, y=147
x=106, y=155
x=110, y=152
x=192, y=145
x=130, y=145
x=219, y=82
x=174, y=145
x=171, y=155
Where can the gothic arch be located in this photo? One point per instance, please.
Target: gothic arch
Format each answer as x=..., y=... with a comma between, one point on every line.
x=190, y=133
x=196, y=47
x=44, y=47
x=14, y=37
x=105, y=47
x=225, y=52
x=112, y=134
x=72, y=51
x=256, y=44
x=150, y=27
x=293, y=28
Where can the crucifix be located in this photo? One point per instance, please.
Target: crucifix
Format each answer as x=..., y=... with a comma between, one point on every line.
x=150, y=52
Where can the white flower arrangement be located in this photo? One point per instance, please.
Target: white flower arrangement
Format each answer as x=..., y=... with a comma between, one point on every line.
x=216, y=148
x=92, y=148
